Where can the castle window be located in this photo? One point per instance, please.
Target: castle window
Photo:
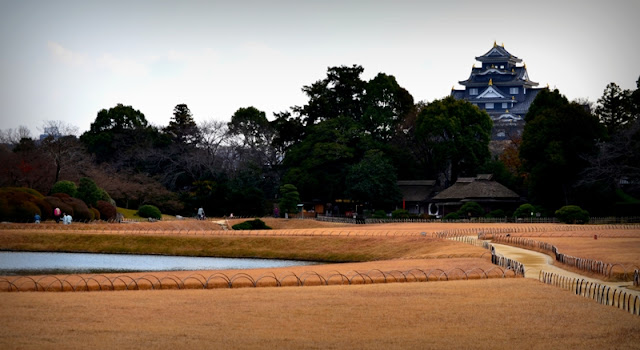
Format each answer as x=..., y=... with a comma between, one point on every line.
x=473, y=91
x=505, y=105
x=488, y=105
x=513, y=90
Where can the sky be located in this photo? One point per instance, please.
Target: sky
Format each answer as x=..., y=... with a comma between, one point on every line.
x=66, y=60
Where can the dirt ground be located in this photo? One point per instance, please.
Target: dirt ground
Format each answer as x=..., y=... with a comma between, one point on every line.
x=481, y=314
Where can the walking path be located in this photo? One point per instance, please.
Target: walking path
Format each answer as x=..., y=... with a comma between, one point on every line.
x=534, y=262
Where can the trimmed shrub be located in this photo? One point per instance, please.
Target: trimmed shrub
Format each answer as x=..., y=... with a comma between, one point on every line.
x=255, y=224
x=400, y=214
x=379, y=214
x=80, y=210
x=96, y=213
x=524, y=211
x=60, y=200
x=72, y=206
x=472, y=208
x=572, y=214
x=107, y=211
x=242, y=226
x=149, y=211
x=21, y=204
x=498, y=213
x=452, y=216
x=64, y=186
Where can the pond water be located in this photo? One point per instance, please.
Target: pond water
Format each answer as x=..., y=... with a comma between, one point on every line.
x=24, y=262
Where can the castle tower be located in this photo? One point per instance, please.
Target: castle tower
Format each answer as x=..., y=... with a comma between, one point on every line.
x=500, y=86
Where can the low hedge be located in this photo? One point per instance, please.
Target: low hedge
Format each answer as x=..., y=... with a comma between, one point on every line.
x=255, y=224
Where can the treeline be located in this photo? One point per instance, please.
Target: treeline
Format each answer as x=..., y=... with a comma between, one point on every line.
x=352, y=140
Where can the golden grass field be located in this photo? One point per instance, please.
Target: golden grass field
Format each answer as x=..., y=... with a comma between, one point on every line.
x=474, y=314
x=486, y=314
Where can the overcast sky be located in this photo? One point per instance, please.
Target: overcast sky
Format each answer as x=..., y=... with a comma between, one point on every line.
x=66, y=60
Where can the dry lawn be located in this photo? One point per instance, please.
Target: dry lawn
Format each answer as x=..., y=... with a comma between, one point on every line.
x=476, y=314
x=280, y=227
x=625, y=251
x=483, y=314
x=613, y=245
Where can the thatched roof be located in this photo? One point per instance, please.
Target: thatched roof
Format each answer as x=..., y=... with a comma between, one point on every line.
x=416, y=190
x=478, y=188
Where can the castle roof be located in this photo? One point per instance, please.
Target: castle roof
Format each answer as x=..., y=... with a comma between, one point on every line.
x=516, y=76
x=523, y=106
x=498, y=54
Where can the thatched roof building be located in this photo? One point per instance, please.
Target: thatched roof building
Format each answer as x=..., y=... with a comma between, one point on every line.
x=481, y=189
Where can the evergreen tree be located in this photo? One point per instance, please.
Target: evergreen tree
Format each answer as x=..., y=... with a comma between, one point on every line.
x=614, y=108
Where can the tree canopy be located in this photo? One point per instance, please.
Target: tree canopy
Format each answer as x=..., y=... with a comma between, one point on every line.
x=117, y=132
x=451, y=138
x=557, y=138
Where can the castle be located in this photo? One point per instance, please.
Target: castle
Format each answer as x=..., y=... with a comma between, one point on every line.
x=502, y=88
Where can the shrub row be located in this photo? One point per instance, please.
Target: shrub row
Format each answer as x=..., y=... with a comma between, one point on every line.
x=22, y=204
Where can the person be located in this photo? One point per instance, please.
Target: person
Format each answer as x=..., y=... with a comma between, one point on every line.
x=276, y=212
x=200, y=213
x=56, y=214
x=66, y=219
x=36, y=218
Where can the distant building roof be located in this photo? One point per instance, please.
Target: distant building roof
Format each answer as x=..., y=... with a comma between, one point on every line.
x=479, y=188
x=416, y=190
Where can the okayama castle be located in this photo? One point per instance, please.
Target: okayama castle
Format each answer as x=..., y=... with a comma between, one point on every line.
x=501, y=86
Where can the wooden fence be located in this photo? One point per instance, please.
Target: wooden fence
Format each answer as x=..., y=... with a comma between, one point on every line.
x=609, y=270
x=603, y=294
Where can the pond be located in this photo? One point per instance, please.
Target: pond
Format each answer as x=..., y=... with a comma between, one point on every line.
x=67, y=263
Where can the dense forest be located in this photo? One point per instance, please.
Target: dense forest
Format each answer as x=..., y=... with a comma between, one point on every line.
x=352, y=140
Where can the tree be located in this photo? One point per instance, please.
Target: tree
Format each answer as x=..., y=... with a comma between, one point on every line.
x=338, y=95
x=385, y=105
x=616, y=162
x=557, y=138
x=451, y=138
x=373, y=180
x=88, y=191
x=62, y=146
x=289, y=199
x=182, y=128
x=614, y=108
x=344, y=118
x=250, y=125
x=317, y=165
x=26, y=166
x=13, y=136
x=119, y=132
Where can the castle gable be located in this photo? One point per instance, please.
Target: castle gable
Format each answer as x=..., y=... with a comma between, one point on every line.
x=492, y=93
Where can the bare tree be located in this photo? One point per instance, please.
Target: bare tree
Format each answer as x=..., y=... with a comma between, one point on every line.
x=62, y=145
x=13, y=136
x=618, y=161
